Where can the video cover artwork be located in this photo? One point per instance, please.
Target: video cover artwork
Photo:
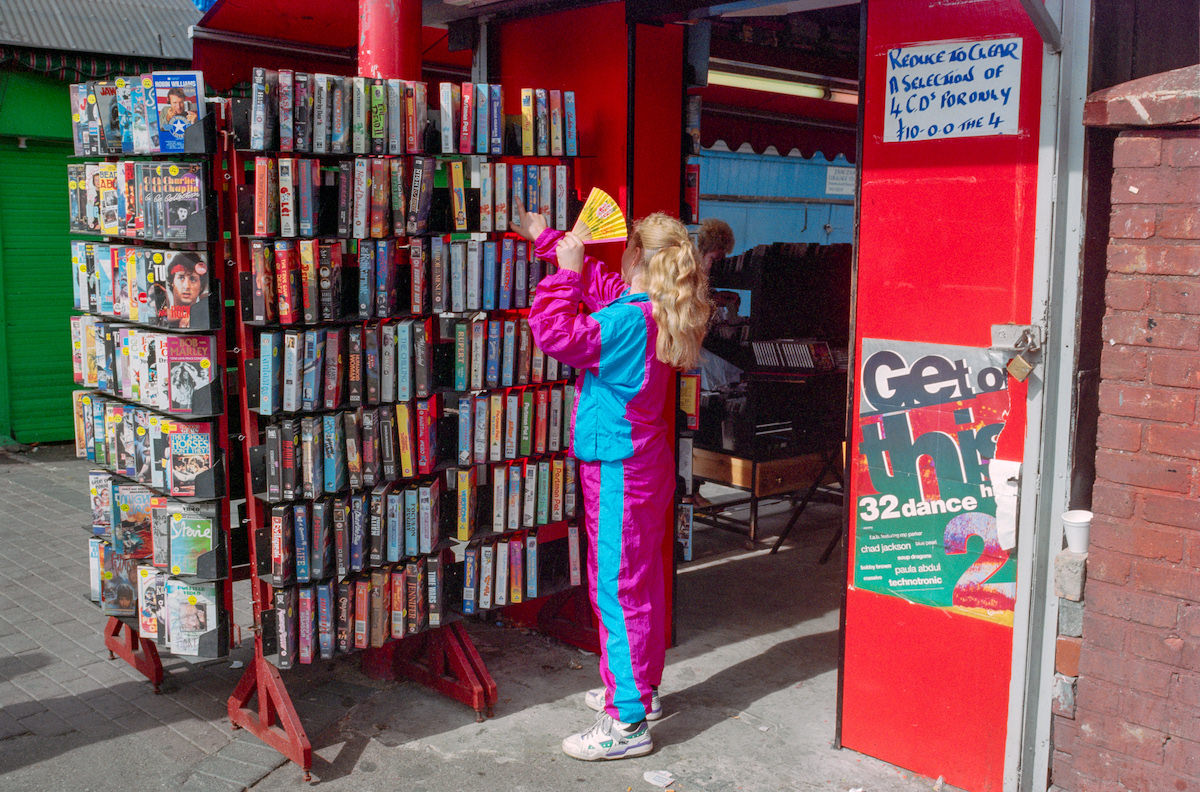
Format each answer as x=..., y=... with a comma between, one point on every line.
x=132, y=521
x=101, y=498
x=191, y=451
x=192, y=536
x=191, y=613
x=190, y=373
x=179, y=98
x=181, y=284
x=183, y=188
x=152, y=598
x=118, y=587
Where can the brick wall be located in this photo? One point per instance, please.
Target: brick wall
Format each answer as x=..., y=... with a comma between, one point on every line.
x=1133, y=722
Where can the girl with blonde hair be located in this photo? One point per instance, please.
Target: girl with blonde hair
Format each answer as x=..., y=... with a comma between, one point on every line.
x=639, y=327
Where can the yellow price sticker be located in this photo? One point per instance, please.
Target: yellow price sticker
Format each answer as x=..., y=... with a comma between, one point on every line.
x=108, y=575
x=91, y=98
x=204, y=364
x=73, y=185
x=145, y=572
x=174, y=170
x=75, y=118
x=175, y=570
x=191, y=599
x=120, y=82
x=94, y=491
x=83, y=268
x=141, y=430
x=158, y=257
x=147, y=82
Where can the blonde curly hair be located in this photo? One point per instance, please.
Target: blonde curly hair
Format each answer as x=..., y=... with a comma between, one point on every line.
x=677, y=286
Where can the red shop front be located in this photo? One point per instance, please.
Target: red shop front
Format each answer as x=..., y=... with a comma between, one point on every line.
x=965, y=182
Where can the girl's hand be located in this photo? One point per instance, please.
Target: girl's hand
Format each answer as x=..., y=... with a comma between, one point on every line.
x=532, y=224
x=570, y=252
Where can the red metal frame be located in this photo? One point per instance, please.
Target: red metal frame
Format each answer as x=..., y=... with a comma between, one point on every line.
x=569, y=617
x=274, y=720
x=124, y=641
x=443, y=659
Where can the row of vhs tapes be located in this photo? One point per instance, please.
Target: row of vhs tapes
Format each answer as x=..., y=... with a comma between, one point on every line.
x=345, y=533
x=156, y=201
x=167, y=372
x=360, y=611
x=374, y=197
x=332, y=114
x=176, y=537
x=306, y=457
x=136, y=114
x=387, y=362
x=309, y=280
x=153, y=286
x=368, y=609
x=181, y=459
x=186, y=617
x=508, y=570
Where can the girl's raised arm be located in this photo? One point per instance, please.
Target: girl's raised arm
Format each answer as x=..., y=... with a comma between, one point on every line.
x=598, y=288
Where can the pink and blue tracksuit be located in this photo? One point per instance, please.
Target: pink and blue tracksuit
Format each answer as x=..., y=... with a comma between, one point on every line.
x=626, y=465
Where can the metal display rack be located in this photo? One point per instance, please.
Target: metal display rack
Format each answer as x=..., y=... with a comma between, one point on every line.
x=444, y=657
x=121, y=634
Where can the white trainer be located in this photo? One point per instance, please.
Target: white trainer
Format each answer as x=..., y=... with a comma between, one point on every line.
x=594, y=699
x=609, y=739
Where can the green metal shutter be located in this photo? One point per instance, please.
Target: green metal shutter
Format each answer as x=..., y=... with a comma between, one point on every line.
x=35, y=276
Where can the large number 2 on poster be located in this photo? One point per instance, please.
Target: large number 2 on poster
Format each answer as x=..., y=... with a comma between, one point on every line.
x=973, y=589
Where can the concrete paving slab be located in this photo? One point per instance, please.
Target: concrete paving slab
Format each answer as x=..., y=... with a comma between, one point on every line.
x=749, y=691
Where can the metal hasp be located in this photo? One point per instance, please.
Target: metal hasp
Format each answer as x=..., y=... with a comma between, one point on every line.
x=1016, y=338
x=1046, y=27
x=123, y=640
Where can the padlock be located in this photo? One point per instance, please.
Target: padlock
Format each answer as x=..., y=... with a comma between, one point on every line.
x=1019, y=368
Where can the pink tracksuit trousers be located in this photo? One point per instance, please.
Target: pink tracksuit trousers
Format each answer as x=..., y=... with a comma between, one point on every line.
x=627, y=468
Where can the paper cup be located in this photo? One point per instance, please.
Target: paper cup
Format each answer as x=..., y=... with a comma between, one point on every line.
x=1077, y=525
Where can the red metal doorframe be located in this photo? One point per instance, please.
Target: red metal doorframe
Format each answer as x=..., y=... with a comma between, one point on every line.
x=945, y=250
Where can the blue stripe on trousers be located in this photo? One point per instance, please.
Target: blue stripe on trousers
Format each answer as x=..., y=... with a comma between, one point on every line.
x=610, y=540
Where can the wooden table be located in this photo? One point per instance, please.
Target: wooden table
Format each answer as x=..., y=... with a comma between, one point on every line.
x=767, y=478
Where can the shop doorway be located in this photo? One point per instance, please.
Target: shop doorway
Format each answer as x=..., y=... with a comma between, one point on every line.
x=929, y=565
x=771, y=145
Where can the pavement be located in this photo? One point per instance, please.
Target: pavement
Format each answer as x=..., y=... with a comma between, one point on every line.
x=749, y=693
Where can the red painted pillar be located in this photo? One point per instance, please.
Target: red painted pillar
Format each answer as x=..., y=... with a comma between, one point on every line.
x=389, y=38
x=389, y=46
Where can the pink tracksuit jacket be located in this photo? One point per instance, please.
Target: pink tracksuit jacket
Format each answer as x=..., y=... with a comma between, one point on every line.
x=626, y=465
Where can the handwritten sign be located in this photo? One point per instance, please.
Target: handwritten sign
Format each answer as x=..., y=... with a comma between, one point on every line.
x=953, y=89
